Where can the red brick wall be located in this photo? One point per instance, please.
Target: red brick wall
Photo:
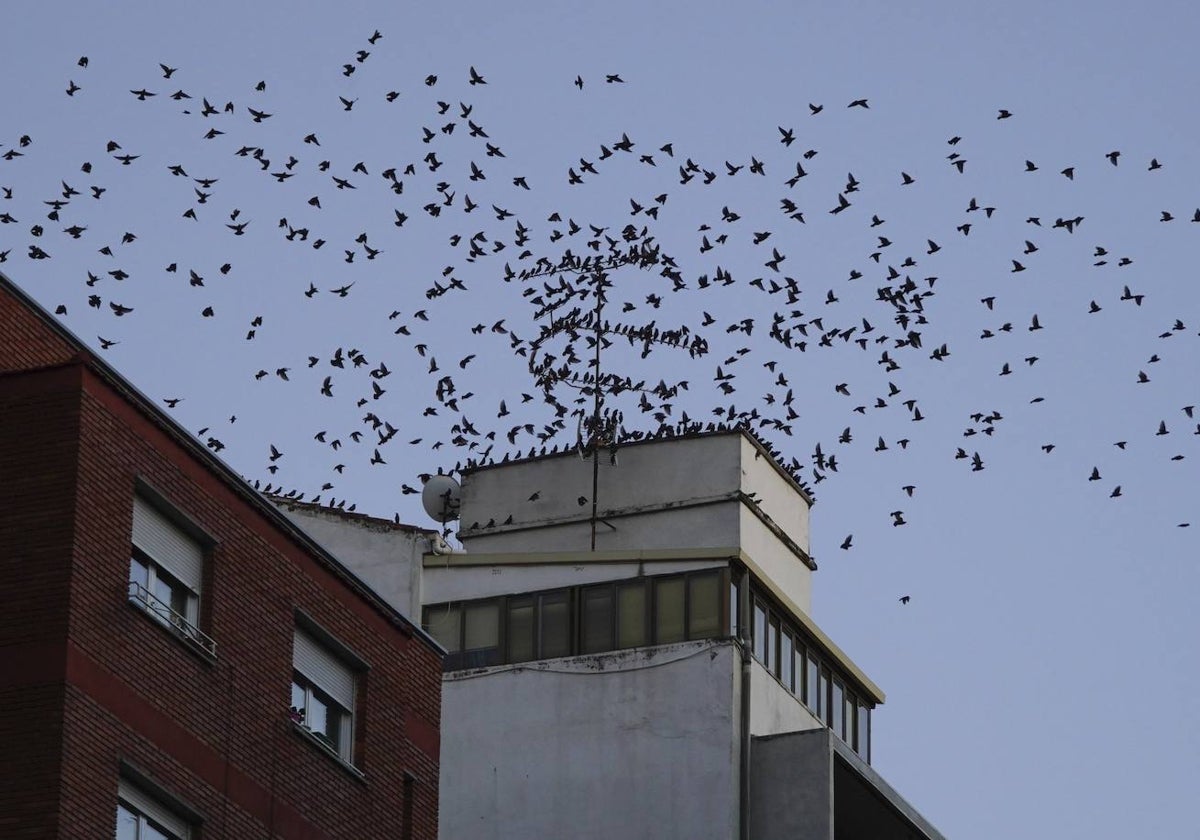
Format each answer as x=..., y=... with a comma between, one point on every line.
x=39, y=425
x=215, y=734
x=25, y=340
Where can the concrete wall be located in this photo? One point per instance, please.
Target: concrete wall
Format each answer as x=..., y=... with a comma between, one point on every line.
x=386, y=557
x=636, y=744
x=775, y=494
x=714, y=524
x=791, y=787
x=646, y=477
x=674, y=493
x=774, y=709
x=462, y=583
x=778, y=564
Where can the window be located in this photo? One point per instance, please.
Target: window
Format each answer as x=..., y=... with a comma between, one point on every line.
x=823, y=698
x=800, y=671
x=596, y=615
x=323, y=689
x=443, y=624
x=520, y=629
x=850, y=727
x=704, y=605
x=511, y=629
x=165, y=569
x=481, y=634
x=631, y=614
x=141, y=817
x=759, y=631
x=864, y=731
x=554, y=632
x=811, y=695
x=785, y=661
x=837, y=709
x=772, y=661
x=668, y=607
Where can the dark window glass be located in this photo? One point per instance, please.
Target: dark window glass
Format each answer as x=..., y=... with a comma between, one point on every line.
x=704, y=606
x=823, y=696
x=482, y=625
x=799, y=671
x=772, y=661
x=848, y=723
x=597, y=616
x=520, y=629
x=785, y=661
x=837, y=720
x=481, y=638
x=555, y=625
x=760, y=631
x=668, y=610
x=631, y=615
x=735, y=603
x=864, y=731
x=812, y=685
x=443, y=623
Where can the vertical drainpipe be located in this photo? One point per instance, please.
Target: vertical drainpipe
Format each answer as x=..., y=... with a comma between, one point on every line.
x=744, y=619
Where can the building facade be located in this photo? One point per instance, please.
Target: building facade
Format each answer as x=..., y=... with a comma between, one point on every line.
x=670, y=683
x=177, y=659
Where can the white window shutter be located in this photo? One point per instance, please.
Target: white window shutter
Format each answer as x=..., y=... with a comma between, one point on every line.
x=149, y=807
x=326, y=671
x=167, y=545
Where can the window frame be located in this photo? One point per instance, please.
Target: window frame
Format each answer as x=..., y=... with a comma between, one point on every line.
x=147, y=808
x=640, y=593
x=175, y=555
x=328, y=662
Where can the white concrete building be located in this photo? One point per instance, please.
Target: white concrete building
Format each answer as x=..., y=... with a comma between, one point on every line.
x=668, y=684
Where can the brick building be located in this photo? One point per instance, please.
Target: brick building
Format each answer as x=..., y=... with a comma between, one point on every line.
x=176, y=657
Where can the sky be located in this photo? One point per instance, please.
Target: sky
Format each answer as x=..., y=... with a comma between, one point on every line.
x=1039, y=672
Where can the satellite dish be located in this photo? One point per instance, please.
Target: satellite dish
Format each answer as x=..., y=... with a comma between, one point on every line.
x=442, y=497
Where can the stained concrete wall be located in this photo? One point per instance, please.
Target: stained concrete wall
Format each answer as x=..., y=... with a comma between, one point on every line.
x=673, y=493
x=387, y=558
x=791, y=787
x=635, y=744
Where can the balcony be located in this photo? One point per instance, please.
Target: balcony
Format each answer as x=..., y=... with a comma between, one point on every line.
x=162, y=613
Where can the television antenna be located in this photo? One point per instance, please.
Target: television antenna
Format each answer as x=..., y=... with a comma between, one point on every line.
x=603, y=427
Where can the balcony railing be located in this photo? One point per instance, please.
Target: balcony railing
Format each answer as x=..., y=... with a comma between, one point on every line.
x=161, y=612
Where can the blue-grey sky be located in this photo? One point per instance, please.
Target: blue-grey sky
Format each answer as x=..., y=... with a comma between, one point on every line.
x=1050, y=623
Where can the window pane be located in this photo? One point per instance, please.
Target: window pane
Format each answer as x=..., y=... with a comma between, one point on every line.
x=760, y=631
x=139, y=572
x=153, y=831
x=785, y=662
x=735, y=602
x=837, y=708
x=556, y=626
x=772, y=661
x=823, y=695
x=297, y=702
x=812, y=689
x=443, y=624
x=520, y=630
x=849, y=706
x=316, y=715
x=631, y=615
x=482, y=626
x=127, y=823
x=704, y=606
x=864, y=731
x=668, y=611
x=799, y=671
x=597, y=609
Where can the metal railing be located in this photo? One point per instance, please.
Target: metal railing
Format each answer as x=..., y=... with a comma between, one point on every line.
x=162, y=612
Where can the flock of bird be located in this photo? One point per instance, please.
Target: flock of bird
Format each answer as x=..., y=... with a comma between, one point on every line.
x=624, y=323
